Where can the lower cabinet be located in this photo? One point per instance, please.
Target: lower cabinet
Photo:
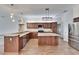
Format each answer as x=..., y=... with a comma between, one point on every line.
x=48, y=40
x=20, y=42
x=15, y=43
x=23, y=40
x=33, y=35
x=11, y=44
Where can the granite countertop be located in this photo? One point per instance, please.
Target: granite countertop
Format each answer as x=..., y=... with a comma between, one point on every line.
x=36, y=30
x=17, y=33
x=48, y=34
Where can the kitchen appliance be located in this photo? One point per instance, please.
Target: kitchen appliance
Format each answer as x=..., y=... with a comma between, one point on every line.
x=40, y=28
x=74, y=29
x=74, y=35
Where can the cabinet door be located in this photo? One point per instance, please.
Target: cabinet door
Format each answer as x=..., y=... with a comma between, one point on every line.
x=33, y=35
x=24, y=40
x=54, y=27
x=11, y=44
x=21, y=42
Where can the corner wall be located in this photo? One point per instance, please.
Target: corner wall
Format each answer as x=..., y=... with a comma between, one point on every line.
x=66, y=18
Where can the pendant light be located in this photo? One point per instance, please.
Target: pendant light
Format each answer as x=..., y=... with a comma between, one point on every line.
x=12, y=14
x=13, y=20
x=47, y=16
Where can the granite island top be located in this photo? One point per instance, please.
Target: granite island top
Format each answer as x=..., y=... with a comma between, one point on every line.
x=48, y=34
x=17, y=33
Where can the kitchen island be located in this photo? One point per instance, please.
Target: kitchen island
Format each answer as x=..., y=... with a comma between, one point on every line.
x=14, y=42
x=48, y=39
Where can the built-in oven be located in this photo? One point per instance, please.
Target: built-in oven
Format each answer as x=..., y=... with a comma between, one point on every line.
x=40, y=28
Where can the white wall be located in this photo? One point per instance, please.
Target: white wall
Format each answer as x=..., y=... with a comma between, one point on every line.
x=63, y=21
x=35, y=18
x=7, y=26
x=66, y=18
x=76, y=11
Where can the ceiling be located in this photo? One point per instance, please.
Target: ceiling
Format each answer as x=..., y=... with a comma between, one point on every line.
x=33, y=9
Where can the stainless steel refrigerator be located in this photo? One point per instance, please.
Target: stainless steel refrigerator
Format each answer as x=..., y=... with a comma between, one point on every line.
x=74, y=35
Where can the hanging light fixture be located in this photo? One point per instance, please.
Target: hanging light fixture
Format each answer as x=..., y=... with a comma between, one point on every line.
x=47, y=16
x=13, y=20
x=12, y=14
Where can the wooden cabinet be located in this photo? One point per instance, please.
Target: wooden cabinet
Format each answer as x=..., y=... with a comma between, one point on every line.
x=23, y=41
x=35, y=25
x=48, y=40
x=20, y=43
x=11, y=44
x=15, y=43
x=33, y=35
x=54, y=27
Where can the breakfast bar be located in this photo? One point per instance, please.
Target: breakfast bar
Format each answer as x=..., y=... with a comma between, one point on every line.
x=14, y=42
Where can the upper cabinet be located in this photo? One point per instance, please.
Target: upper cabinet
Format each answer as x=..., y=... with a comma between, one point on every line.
x=54, y=27
x=46, y=25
